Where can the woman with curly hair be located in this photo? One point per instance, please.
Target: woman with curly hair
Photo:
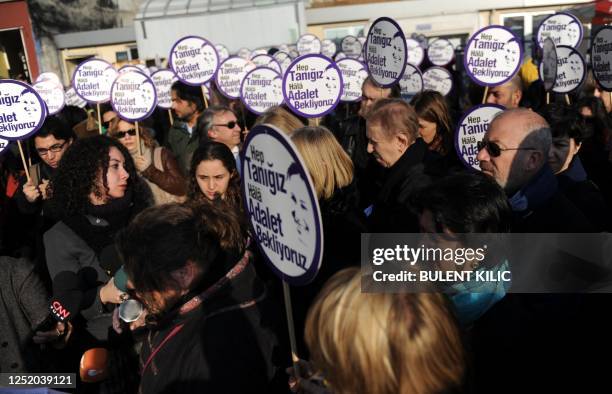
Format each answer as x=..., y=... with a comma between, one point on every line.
x=95, y=193
x=213, y=175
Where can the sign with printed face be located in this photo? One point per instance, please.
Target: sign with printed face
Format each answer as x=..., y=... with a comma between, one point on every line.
x=144, y=69
x=22, y=110
x=52, y=94
x=194, y=60
x=548, y=66
x=244, y=53
x=386, y=52
x=601, y=57
x=416, y=53
x=411, y=82
x=4, y=144
x=262, y=89
x=492, y=56
x=438, y=79
x=92, y=80
x=562, y=28
x=283, y=59
x=133, y=96
x=471, y=130
x=353, y=74
x=440, y=52
x=257, y=52
x=72, y=98
x=267, y=61
x=49, y=76
x=308, y=44
x=230, y=75
x=312, y=86
x=328, y=48
x=571, y=70
x=340, y=56
x=128, y=67
x=222, y=51
x=351, y=47
x=281, y=204
x=163, y=80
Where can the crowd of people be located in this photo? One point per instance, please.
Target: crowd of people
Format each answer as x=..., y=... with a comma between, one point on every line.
x=165, y=209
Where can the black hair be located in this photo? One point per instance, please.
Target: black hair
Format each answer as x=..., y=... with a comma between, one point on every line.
x=192, y=94
x=566, y=122
x=57, y=128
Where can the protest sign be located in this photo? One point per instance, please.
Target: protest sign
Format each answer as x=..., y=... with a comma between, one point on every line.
x=257, y=52
x=281, y=204
x=328, y=48
x=92, y=80
x=163, y=80
x=22, y=110
x=4, y=144
x=49, y=76
x=144, y=69
x=411, y=82
x=570, y=71
x=562, y=28
x=312, y=86
x=308, y=44
x=230, y=75
x=493, y=55
x=72, y=98
x=471, y=130
x=353, y=74
x=222, y=51
x=440, y=52
x=416, y=53
x=386, y=52
x=283, y=59
x=548, y=66
x=128, y=67
x=194, y=60
x=261, y=90
x=341, y=55
x=351, y=47
x=601, y=57
x=244, y=53
x=438, y=79
x=267, y=61
x=52, y=94
x=133, y=96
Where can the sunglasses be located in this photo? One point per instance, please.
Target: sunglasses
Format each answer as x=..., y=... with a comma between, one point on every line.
x=495, y=150
x=229, y=125
x=120, y=134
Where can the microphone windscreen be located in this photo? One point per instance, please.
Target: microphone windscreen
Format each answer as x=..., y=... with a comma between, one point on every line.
x=94, y=365
x=67, y=296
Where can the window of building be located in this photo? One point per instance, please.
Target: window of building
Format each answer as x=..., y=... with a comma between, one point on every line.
x=122, y=56
x=133, y=53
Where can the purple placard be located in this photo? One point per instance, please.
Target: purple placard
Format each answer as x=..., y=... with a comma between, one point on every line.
x=386, y=52
x=319, y=68
x=570, y=71
x=308, y=44
x=548, y=66
x=203, y=56
x=446, y=49
x=267, y=61
x=438, y=79
x=230, y=87
x=328, y=48
x=261, y=93
x=471, y=129
x=163, y=80
x=52, y=94
x=244, y=53
x=22, y=110
x=549, y=28
x=4, y=144
x=89, y=71
x=222, y=51
x=128, y=67
x=353, y=74
x=601, y=57
x=294, y=252
x=412, y=82
x=416, y=53
x=133, y=96
x=482, y=61
x=351, y=47
x=49, y=76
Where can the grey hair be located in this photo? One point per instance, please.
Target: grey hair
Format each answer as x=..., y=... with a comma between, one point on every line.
x=206, y=120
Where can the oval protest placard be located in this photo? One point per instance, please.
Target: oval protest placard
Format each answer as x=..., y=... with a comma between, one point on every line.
x=72, y=98
x=353, y=74
x=92, y=80
x=601, y=57
x=163, y=80
x=257, y=52
x=230, y=75
x=492, y=56
x=267, y=61
x=133, y=96
x=283, y=59
x=308, y=44
x=281, y=204
x=340, y=55
x=351, y=47
x=49, y=76
x=471, y=130
x=128, y=67
x=438, y=79
x=386, y=52
x=222, y=51
x=194, y=60
x=312, y=86
x=562, y=28
x=244, y=53
x=411, y=82
x=570, y=72
x=261, y=89
x=416, y=53
x=328, y=48
x=548, y=66
x=144, y=69
x=22, y=110
x=52, y=94
x=440, y=52
x=4, y=144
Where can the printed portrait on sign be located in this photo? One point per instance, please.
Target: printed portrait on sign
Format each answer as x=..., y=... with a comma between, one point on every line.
x=300, y=212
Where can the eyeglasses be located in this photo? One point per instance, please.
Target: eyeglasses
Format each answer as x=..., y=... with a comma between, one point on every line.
x=495, y=150
x=229, y=125
x=53, y=148
x=120, y=134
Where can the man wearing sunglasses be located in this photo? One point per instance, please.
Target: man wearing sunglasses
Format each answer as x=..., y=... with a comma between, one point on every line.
x=220, y=124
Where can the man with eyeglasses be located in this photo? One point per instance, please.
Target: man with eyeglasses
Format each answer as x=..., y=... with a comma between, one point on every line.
x=220, y=124
x=50, y=142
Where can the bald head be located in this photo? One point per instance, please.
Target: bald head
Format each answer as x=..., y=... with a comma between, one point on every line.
x=508, y=94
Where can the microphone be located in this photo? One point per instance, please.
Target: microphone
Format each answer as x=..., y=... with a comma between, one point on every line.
x=94, y=365
x=66, y=300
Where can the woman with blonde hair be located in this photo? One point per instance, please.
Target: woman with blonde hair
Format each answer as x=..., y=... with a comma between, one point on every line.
x=155, y=164
x=383, y=342
x=280, y=118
